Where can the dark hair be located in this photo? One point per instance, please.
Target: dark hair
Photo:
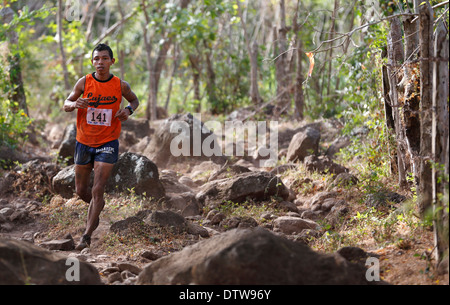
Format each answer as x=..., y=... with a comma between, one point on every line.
x=103, y=47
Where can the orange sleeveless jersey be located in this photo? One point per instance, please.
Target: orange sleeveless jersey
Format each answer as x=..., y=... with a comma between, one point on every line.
x=96, y=125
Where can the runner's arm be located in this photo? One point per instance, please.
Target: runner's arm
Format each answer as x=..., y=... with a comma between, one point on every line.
x=74, y=101
x=132, y=99
x=129, y=95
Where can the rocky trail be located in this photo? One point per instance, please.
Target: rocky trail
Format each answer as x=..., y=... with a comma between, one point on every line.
x=206, y=220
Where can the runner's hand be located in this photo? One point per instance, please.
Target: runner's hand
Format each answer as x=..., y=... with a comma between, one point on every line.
x=122, y=115
x=81, y=103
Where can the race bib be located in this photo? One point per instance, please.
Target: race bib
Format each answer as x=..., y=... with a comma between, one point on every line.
x=99, y=117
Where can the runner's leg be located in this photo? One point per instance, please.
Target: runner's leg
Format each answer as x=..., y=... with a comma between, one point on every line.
x=102, y=171
x=82, y=180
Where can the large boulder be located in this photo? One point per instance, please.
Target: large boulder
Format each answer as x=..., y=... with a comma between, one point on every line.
x=304, y=143
x=185, y=203
x=64, y=182
x=132, y=171
x=66, y=149
x=138, y=172
x=251, y=257
x=133, y=131
x=24, y=263
x=167, y=219
x=140, y=128
x=251, y=185
x=185, y=132
x=323, y=165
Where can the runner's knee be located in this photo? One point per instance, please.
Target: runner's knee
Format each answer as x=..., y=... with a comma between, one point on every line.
x=98, y=192
x=81, y=191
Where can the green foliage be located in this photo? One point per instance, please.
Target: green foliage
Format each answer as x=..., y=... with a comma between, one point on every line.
x=14, y=121
x=12, y=124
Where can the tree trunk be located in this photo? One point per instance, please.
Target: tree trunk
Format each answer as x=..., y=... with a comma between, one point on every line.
x=254, y=88
x=252, y=50
x=299, y=98
x=281, y=63
x=176, y=57
x=59, y=17
x=211, y=83
x=395, y=58
x=150, y=112
x=196, y=72
x=426, y=38
x=121, y=52
x=439, y=140
x=331, y=36
x=388, y=114
x=410, y=81
x=390, y=124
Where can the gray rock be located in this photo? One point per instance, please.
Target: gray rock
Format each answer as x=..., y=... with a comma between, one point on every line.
x=139, y=127
x=228, y=172
x=59, y=244
x=186, y=203
x=137, y=172
x=171, y=184
x=287, y=206
x=151, y=255
x=129, y=267
x=337, y=145
x=239, y=222
x=110, y=270
x=217, y=218
x=383, y=198
x=195, y=229
x=252, y=185
x=323, y=165
x=345, y=180
x=24, y=263
x=290, y=225
x=6, y=212
x=303, y=144
x=251, y=257
x=28, y=236
x=353, y=254
x=319, y=198
x=124, y=226
x=114, y=277
x=130, y=171
x=159, y=149
x=64, y=182
x=67, y=148
x=167, y=219
x=329, y=203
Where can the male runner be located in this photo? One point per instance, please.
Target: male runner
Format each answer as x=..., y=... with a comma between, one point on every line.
x=97, y=97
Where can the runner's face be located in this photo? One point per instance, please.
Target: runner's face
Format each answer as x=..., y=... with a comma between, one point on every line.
x=102, y=62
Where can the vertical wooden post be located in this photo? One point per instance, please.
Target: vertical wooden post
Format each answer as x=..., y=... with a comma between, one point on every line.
x=395, y=58
x=426, y=39
x=440, y=139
